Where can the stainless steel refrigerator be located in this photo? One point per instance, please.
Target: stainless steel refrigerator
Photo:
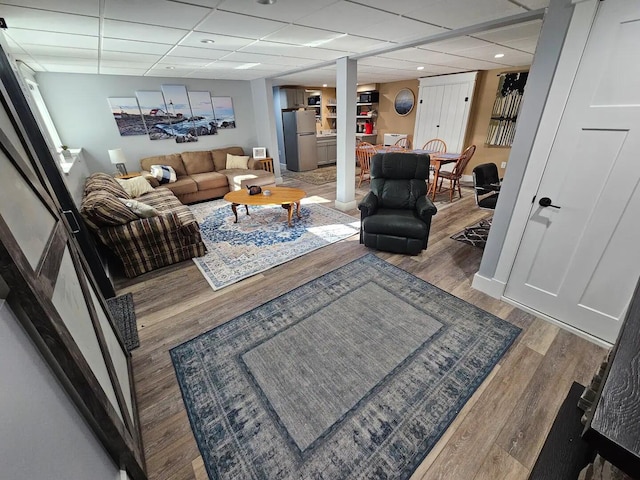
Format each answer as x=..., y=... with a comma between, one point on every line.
x=300, y=147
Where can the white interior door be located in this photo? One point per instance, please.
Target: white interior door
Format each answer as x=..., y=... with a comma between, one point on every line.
x=579, y=263
x=443, y=109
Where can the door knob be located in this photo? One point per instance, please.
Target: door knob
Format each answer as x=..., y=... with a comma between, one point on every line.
x=546, y=202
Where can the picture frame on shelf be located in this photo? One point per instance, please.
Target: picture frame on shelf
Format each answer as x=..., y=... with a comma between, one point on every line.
x=259, y=152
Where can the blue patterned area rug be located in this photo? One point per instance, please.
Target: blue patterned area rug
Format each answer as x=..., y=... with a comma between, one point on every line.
x=262, y=239
x=356, y=374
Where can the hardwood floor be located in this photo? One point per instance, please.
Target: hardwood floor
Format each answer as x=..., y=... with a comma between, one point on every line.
x=497, y=435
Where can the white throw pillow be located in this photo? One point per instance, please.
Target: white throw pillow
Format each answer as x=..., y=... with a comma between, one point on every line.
x=163, y=173
x=237, y=161
x=140, y=209
x=135, y=186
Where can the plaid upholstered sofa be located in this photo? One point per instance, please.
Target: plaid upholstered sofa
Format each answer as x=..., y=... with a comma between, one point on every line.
x=202, y=175
x=143, y=244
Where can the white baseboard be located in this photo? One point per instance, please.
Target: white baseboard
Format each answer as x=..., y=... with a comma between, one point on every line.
x=279, y=180
x=345, y=206
x=490, y=286
x=558, y=323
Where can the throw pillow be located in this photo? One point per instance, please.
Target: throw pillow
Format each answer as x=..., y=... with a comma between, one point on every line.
x=140, y=209
x=135, y=186
x=163, y=173
x=237, y=161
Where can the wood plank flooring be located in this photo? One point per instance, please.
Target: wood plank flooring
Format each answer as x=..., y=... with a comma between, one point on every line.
x=497, y=435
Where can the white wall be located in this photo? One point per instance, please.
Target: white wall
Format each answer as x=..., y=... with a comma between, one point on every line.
x=43, y=435
x=80, y=110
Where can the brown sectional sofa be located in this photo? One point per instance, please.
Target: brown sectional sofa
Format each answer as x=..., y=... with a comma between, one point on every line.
x=202, y=175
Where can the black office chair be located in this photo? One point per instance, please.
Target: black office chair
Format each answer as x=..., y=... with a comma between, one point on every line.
x=486, y=185
x=396, y=213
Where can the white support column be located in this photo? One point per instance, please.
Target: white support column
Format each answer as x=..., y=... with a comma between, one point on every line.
x=346, y=76
x=264, y=115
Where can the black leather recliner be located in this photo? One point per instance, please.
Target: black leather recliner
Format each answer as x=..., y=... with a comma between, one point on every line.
x=396, y=213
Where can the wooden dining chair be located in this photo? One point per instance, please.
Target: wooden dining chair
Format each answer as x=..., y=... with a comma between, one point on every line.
x=456, y=174
x=404, y=143
x=435, y=145
x=364, y=152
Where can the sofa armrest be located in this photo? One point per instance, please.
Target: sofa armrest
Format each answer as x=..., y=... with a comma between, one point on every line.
x=368, y=205
x=425, y=208
x=150, y=178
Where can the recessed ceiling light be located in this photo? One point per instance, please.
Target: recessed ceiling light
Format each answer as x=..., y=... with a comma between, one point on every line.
x=207, y=40
x=498, y=55
x=170, y=68
x=266, y=2
x=324, y=84
x=420, y=68
x=245, y=66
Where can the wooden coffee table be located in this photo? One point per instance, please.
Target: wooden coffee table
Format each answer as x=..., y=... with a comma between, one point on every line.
x=285, y=196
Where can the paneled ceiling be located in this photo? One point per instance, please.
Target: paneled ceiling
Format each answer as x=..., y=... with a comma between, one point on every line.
x=244, y=40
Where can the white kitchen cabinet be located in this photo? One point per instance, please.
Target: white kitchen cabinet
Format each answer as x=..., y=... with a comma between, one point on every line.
x=292, y=98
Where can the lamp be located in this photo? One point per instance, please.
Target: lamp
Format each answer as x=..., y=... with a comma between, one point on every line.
x=118, y=159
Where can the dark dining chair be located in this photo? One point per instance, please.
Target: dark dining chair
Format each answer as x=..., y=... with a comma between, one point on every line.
x=396, y=213
x=486, y=185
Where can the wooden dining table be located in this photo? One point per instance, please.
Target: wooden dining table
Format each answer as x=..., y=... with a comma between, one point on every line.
x=437, y=159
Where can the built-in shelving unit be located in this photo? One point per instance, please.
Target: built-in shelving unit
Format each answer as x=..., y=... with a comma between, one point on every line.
x=364, y=112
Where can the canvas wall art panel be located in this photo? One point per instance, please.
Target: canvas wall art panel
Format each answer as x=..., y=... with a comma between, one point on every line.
x=127, y=116
x=203, y=116
x=223, y=111
x=506, y=107
x=179, y=109
x=155, y=115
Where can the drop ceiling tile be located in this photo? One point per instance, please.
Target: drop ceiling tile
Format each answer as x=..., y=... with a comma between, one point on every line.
x=222, y=42
x=80, y=7
x=433, y=58
x=298, y=35
x=462, y=13
x=226, y=23
x=28, y=18
x=142, y=58
x=528, y=45
x=519, y=59
x=388, y=63
x=472, y=64
x=137, y=31
x=457, y=44
x=46, y=59
x=357, y=44
x=512, y=32
x=488, y=53
x=346, y=17
x=284, y=10
x=32, y=37
x=402, y=30
x=159, y=12
x=321, y=54
x=55, y=67
x=127, y=65
x=137, y=72
x=180, y=61
x=193, y=52
x=222, y=65
x=61, y=51
x=397, y=6
x=163, y=72
x=273, y=48
x=117, y=45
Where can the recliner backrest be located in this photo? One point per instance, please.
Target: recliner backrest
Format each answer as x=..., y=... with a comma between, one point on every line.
x=399, y=179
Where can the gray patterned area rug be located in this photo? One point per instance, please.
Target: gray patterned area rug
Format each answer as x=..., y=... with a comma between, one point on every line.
x=124, y=314
x=476, y=234
x=355, y=374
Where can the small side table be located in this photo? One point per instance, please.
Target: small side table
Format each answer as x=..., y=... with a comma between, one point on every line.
x=128, y=175
x=266, y=164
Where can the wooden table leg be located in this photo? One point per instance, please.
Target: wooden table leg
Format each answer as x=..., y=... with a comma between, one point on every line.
x=289, y=208
x=436, y=174
x=246, y=207
x=298, y=209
